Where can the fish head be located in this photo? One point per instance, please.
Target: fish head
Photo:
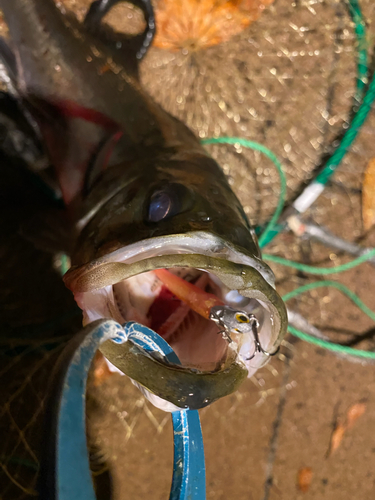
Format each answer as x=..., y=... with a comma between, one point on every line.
x=159, y=198
x=178, y=213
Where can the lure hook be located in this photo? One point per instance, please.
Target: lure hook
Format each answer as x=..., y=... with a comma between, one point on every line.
x=231, y=321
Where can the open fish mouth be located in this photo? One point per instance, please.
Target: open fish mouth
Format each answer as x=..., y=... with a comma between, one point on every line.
x=123, y=285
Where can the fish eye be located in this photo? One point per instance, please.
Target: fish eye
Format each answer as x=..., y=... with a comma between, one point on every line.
x=242, y=318
x=160, y=205
x=168, y=201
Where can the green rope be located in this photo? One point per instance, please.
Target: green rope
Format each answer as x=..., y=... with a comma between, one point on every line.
x=332, y=346
x=322, y=178
x=362, y=62
x=360, y=117
x=369, y=96
x=302, y=267
x=349, y=136
x=322, y=271
x=267, y=152
x=342, y=288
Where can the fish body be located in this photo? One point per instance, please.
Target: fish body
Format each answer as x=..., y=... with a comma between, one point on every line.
x=143, y=194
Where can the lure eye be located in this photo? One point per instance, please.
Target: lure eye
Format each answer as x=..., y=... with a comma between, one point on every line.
x=241, y=318
x=171, y=200
x=160, y=205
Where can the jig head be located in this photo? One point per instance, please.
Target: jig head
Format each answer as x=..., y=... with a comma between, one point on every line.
x=235, y=321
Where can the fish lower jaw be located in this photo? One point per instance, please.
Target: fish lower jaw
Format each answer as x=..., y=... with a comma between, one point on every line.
x=196, y=340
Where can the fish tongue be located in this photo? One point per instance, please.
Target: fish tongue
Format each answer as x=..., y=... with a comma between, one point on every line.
x=167, y=329
x=163, y=307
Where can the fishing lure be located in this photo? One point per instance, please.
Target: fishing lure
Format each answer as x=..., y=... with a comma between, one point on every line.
x=233, y=320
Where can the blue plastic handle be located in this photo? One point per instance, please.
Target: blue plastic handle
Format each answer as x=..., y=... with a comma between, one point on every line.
x=65, y=473
x=189, y=472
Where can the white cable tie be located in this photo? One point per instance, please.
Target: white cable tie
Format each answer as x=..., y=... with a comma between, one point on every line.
x=307, y=198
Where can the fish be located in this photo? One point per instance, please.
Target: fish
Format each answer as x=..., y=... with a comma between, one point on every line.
x=142, y=195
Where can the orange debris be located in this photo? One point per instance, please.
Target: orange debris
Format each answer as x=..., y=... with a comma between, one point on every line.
x=304, y=478
x=354, y=412
x=368, y=196
x=196, y=24
x=336, y=438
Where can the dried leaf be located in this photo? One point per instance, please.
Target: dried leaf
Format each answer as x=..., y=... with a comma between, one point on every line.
x=354, y=412
x=336, y=438
x=368, y=196
x=304, y=478
x=195, y=24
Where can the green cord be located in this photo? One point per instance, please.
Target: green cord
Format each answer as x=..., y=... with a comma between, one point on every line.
x=302, y=267
x=365, y=107
x=350, y=135
x=339, y=286
x=360, y=32
x=267, y=152
x=322, y=271
x=332, y=346
x=323, y=177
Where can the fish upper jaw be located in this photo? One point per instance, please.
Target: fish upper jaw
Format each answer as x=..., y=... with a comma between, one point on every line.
x=109, y=269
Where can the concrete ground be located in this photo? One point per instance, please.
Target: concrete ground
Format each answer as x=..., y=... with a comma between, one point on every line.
x=288, y=82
